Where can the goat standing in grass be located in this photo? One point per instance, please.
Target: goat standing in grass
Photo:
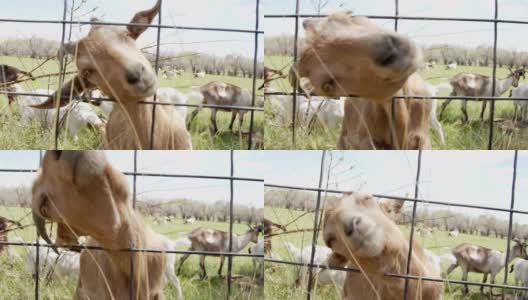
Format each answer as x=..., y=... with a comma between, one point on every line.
x=322, y=253
x=203, y=239
x=258, y=249
x=10, y=74
x=521, y=273
x=478, y=259
x=476, y=85
x=520, y=92
x=221, y=93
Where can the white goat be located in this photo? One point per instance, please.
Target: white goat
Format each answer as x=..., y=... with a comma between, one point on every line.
x=80, y=114
x=454, y=233
x=330, y=112
x=452, y=66
x=212, y=240
x=282, y=105
x=433, y=120
x=63, y=265
x=170, y=261
x=199, y=75
x=521, y=273
x=520, y=92
x=163, y=95
x=190, y=220
x=322, y=253
x=258, y=248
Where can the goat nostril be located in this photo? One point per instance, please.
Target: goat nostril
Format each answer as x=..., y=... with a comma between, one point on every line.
x=132, y=78
x=350, y=227
x=389, y=50
x=357, y=221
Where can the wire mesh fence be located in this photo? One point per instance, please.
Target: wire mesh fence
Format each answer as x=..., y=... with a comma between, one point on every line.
x=63, y=62
x=396, y=17
x=231, y=178
x=320, y=204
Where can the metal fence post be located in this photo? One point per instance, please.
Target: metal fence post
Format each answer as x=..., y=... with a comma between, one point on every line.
x=255, y=58
x=316, y=225
x=230, y=258
x=493, y=84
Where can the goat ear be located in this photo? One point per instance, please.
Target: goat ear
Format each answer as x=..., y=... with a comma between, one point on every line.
x=143, y=17
x=74, y=87
x=310, y=26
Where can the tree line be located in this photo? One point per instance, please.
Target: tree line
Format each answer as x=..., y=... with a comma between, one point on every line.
x=438, y=218
x=179, y=208
x=481, y=55
x=229, y=65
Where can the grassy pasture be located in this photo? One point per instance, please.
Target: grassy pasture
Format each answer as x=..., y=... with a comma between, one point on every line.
x=280, y=278
x=14, y=136
x=473, y=135
x=16, y=283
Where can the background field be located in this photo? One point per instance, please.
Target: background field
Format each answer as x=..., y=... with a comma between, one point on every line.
x=280, y=278
x=473, y=135
x=17, y=284
x=13, y=136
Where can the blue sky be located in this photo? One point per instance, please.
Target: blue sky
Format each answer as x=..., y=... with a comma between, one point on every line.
x=472, y=177
x=196, y=13
x=213, y=163
x=423, y=32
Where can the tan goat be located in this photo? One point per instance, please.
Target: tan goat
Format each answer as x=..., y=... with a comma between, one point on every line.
x=109, y=60
x=86, y=196
x=350, y=55
x=361, y=234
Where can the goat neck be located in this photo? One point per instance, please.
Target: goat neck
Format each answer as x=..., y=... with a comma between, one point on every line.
x=241, y=241
x=502, y=85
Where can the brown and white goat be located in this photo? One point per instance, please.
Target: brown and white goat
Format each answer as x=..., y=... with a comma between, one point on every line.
x=9, y=74
x=222, y=93
x=350, y=55
x=86, y=196
x=4, y=225
x=478, y=259
x=467, y=84
x=213, y=240
x=108, y=59
x=268, y=229
x=362, y=235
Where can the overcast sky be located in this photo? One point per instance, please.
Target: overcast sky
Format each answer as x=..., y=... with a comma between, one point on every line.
x=212, y=163
x=423, y=32
x=234, y=14
x=472, y=177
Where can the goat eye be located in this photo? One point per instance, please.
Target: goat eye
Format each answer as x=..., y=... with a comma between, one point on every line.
x=329, y=241
x=88, y=72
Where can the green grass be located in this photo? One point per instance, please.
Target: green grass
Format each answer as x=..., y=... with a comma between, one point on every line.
x=14, y=136
x=17, y=284
x=473, y=135
x=280, y=278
